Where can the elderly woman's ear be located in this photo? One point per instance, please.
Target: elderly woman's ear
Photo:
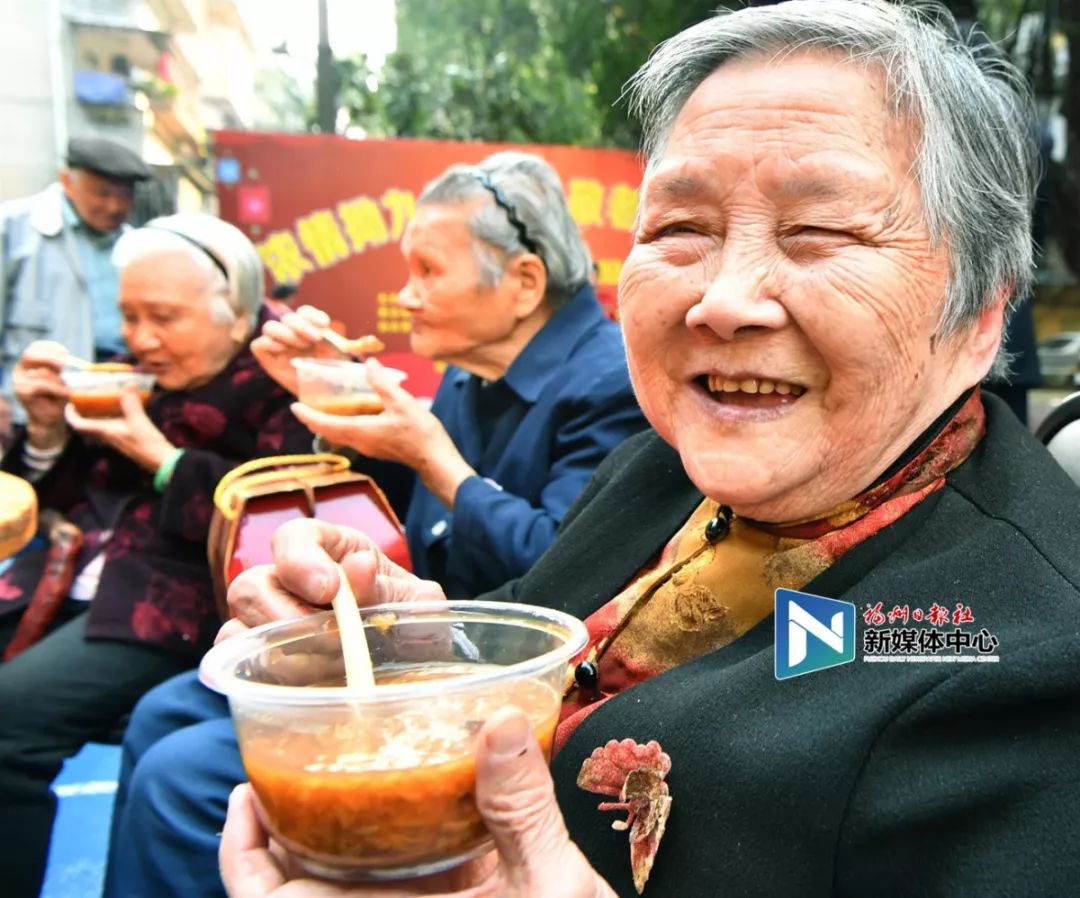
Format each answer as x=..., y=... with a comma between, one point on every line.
x=529, y=278
x=240, y=329
x=978, y=344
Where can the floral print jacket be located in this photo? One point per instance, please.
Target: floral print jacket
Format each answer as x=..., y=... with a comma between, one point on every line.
x=155, y=585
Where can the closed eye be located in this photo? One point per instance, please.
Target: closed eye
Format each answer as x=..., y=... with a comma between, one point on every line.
x=813, y=231
x=817, y=232
x=423, y=267
x=669, y=230
x=811, y=241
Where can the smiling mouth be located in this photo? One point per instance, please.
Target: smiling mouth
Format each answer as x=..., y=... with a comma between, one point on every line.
x=751, y=392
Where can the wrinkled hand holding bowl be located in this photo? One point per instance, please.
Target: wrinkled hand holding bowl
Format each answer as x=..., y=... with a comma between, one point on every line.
x=381, y=784
x=95, y=391
x=338, y=387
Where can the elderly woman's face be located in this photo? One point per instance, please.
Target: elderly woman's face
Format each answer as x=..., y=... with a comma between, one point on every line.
x=781, y=299
x=454, y=319
x=166, y=305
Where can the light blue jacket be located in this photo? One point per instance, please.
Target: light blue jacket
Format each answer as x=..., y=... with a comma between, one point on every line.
x=44, y=294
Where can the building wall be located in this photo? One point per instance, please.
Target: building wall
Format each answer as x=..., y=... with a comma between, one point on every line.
x=28, y=160
x=226, y=64
x=213, y=69
x=122, y=124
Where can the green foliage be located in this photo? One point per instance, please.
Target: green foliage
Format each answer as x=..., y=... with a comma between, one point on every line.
x=1000, y=17
x=537, y=71
x=606, y=41
x=281, y=103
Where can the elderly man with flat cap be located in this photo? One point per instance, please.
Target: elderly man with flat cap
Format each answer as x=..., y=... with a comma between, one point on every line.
x=56, y=272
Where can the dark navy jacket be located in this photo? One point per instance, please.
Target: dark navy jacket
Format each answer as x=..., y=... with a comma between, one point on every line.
x=534, y=437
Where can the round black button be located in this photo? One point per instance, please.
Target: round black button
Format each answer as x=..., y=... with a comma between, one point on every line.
x=716, y=529
x=586, y=675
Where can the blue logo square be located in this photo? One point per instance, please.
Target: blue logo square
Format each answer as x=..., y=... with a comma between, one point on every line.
x=228, y=170
x=812, y=633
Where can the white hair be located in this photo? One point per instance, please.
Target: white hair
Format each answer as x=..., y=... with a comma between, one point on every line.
x=229, y=260
x=141, y=243
x=972, y=110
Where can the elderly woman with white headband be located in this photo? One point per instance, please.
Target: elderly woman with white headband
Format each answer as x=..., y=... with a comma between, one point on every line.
x=139, y=486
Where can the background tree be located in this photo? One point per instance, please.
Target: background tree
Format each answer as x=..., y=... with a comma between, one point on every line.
x=536, y=71
x=472, y=70
x=605, y=42
x=551, y=71
x=282, y=104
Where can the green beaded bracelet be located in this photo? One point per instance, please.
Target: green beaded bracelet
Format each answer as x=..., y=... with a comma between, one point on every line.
x=165, y=472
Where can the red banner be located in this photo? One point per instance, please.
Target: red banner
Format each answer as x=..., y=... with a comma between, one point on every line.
x=327, y=214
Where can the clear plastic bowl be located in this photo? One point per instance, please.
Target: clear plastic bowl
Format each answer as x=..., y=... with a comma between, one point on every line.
x=96, y=393
x=381, y=785
x=338, y=387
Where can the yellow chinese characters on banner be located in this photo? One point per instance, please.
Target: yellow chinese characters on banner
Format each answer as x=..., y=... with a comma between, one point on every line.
x=322, y=238
x=390, y=317
x=325, y=237
x=594, y=205
x=281, y=254
x=608, y=271
x=622, y=205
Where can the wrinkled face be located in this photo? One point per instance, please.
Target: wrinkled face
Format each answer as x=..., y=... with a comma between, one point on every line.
x=166, y=301
x=454, y=319
x=103, y=204
x=782, y=295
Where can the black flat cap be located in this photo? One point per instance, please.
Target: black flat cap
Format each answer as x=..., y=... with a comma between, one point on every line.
x=107, y=158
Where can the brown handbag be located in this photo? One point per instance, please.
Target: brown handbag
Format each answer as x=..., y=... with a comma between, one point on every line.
x=256, y=498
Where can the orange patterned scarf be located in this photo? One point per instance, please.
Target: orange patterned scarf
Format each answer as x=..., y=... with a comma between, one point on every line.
x=715, y=579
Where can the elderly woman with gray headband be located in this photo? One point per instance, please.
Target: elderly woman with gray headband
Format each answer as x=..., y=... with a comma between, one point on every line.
x=833, y=225
x=139, y=486
x=537, y=392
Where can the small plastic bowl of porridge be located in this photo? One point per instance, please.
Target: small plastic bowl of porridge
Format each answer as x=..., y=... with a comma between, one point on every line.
x=95, y=391
x=381, y=784
x=338, y=387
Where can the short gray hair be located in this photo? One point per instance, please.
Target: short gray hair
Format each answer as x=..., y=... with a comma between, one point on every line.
x=976, y=159
x=231, y=262
x=534, y=190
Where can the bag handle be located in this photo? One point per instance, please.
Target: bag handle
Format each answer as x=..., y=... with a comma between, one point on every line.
x=271, y=469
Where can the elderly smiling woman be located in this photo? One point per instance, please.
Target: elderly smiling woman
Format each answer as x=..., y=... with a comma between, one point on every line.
x=834, y=220
x=139, y=486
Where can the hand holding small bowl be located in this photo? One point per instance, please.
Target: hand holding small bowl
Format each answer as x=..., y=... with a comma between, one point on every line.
x=110, y=406
x=304, y=334
x=382, y=784
x=339, y=387
x=41, y=391
x=95, y=391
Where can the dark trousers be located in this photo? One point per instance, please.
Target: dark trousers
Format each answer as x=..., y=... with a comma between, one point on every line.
x=180, y=762
x=58, y=695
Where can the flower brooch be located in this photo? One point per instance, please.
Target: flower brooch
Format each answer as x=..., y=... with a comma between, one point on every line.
x=633, y=773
